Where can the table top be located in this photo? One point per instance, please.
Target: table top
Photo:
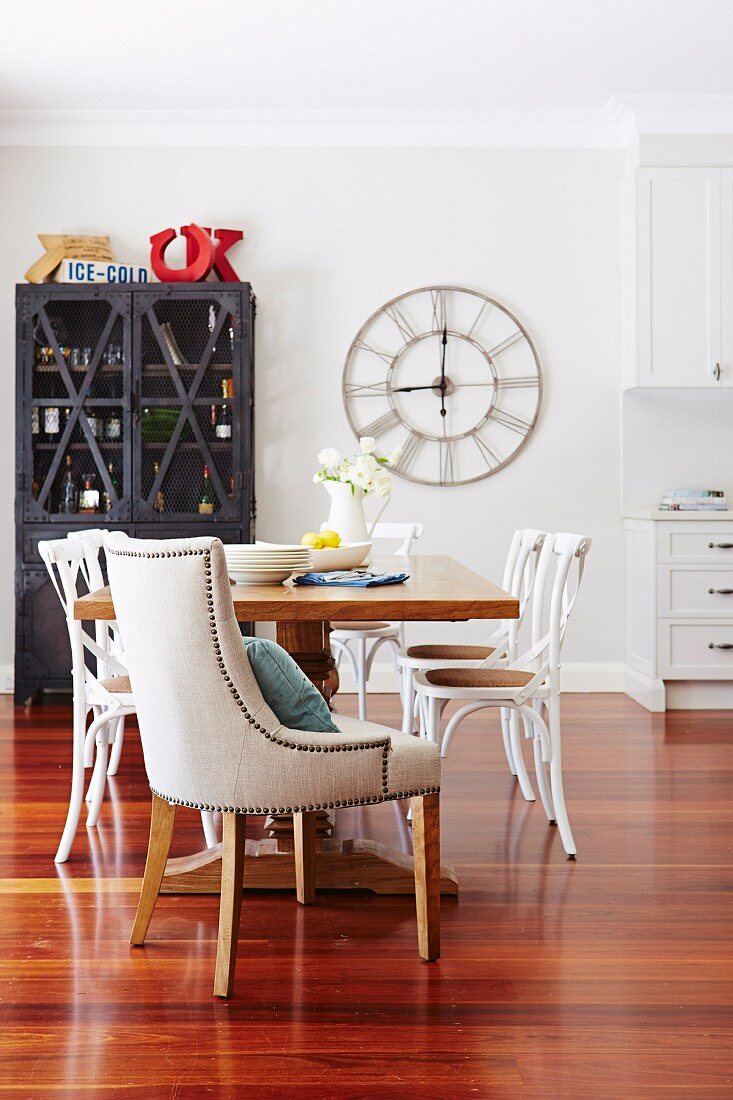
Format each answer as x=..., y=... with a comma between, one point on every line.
x=439, y=590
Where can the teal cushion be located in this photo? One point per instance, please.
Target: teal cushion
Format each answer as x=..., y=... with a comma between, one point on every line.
x=286, y=689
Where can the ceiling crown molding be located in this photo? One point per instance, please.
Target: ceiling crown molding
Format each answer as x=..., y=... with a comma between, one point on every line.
x=634, y=115
x=621, y=120
x=417, y=129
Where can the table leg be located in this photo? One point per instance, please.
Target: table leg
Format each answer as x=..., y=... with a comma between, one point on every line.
x=358, y=864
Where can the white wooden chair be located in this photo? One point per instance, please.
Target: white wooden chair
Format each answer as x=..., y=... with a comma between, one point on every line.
x=527, y=684
x=358, y=634
x=210, y=741
x=518, y=579
x=100, y=682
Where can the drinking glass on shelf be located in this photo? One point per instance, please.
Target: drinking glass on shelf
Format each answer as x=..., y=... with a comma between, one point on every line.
x=113, y=427
x=113, y=355
x=95, y=423
x=80, y=358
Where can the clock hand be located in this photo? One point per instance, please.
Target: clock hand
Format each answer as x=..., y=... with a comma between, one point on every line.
x=409, y=389
x=442, y=373
x=456, y=386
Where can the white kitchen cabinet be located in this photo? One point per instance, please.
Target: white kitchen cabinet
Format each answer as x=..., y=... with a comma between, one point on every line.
x=681, y=313
x=679, y=608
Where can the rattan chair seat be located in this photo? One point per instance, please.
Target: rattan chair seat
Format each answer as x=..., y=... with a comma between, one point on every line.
x=450, y=652
x=478, y=677
x=117, y=685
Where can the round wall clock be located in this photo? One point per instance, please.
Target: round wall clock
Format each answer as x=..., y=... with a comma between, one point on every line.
x=448, y=375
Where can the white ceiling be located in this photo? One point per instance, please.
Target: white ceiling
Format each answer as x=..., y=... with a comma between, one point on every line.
x=359, y=55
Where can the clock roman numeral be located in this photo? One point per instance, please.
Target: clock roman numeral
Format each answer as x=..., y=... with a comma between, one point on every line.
x=406, y=330
x=437, y=298
x=369, y=389
x=508, y=420
x=508, y=343
x=382, y=424
x=490, y=458
x=480, y=314
x=384, y=355
x=446, y=461
x=518, y=383
x=410, y=450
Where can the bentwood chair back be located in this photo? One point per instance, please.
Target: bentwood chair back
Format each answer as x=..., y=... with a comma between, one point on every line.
x=210, y=740
x=520, y=569
x=528, y=685
x=107, y=634
x=345, y=635
x=100, y=682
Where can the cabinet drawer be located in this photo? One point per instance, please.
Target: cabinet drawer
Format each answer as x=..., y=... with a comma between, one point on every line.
x=174, y=531
x=692, y=592
x=695, y=542
x=685, y=651
x=33, y=534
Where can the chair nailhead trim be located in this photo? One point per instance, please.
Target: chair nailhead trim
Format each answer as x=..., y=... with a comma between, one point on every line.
x=384, y=744
x=342, y=804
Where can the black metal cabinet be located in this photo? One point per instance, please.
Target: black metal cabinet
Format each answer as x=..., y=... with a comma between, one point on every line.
x=148, y=391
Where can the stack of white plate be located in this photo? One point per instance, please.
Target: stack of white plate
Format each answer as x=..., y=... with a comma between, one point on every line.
x=272, y=564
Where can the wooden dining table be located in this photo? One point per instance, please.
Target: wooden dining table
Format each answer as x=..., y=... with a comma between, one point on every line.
x=439, y=589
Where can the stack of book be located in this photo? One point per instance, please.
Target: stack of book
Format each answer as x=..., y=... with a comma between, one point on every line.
x=694, y=500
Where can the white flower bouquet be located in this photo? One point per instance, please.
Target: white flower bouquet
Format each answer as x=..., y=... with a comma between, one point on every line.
x=365, y=471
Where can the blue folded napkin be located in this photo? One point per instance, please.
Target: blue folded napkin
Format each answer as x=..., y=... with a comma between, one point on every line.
x=355, y=578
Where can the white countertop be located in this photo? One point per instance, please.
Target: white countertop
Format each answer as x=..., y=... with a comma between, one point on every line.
x=675, y=517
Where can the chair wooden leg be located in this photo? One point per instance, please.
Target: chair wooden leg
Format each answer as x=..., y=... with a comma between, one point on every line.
x=426, y=853
x=230, y=907
x=304, y=829
x=162, y=817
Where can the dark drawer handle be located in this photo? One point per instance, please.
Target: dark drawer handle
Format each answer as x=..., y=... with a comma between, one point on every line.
x=720, y=591
x=720, y=645
x=720, y=545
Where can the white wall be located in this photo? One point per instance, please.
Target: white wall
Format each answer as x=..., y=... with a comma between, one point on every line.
x=676, y=439
x=331, y=234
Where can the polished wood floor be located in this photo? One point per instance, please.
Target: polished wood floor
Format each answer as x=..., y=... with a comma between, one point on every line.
x=608, y=977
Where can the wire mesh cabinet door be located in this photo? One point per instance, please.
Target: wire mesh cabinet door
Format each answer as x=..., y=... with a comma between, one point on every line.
x=74, y=357
x=192, y=397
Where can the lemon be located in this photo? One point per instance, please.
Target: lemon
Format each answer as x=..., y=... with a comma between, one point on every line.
x=310, y=538
x=331, y=538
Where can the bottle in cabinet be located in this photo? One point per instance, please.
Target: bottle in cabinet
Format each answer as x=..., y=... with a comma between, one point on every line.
x=89, y=497
x=68, y=498
x=159, y=502
x=207, y=500
x=107, y=499
x=224, y=419
x=51, y=423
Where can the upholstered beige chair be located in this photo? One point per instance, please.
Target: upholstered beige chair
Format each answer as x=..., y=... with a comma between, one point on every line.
x=211, y=742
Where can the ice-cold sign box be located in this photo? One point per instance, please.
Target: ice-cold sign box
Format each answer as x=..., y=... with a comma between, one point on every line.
x=100, y=271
